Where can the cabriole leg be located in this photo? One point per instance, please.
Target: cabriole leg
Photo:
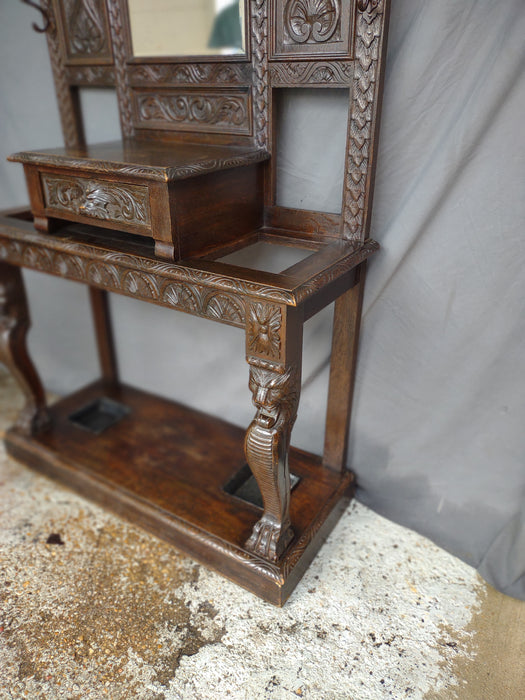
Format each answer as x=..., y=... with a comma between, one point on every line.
x=14, y=325
x=276, y=386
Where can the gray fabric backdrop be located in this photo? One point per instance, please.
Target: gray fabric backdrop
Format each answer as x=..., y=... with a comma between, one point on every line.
x=437, y=439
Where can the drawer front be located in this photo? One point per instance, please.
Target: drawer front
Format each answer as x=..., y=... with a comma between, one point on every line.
x=97, y=199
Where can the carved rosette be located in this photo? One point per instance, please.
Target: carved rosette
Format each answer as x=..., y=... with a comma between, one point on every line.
x=311, y=21
x=263, y=331
x=369, y=27
x=267, y=443
x=259, y=29
x=97, y=199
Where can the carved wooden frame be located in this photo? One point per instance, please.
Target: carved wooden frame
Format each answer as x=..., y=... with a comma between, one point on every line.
x=270, y=308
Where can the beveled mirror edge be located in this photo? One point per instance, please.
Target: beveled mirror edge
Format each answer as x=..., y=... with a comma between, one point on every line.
x=242, y=57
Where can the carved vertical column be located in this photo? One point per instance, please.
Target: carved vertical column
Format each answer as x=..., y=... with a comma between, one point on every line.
x=363, y=129
x=274, y=353
x=14, y=325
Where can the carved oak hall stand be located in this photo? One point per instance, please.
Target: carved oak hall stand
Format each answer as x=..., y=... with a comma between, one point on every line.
x=154, y=217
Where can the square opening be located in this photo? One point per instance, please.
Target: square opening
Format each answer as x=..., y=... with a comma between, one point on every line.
x=311, y=147
x=267, y=257
x=243, y=485
x=99, y=415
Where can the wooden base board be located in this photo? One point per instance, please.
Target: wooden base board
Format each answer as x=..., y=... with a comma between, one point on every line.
x=164, y=467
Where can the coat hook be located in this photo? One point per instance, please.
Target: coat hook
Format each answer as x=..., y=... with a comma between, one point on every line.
x=40, y=30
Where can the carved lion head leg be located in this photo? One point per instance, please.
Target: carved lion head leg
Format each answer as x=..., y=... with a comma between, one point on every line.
x=14, y=325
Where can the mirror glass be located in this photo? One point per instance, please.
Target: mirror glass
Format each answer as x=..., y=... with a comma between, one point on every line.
x=187, y=27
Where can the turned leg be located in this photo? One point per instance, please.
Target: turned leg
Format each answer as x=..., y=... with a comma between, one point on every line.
x=273, y=333
x=14, y=325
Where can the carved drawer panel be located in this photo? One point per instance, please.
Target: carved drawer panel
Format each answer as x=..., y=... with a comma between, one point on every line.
x=98, y=199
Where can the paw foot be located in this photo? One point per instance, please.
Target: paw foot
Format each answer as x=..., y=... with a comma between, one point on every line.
x=269, y=539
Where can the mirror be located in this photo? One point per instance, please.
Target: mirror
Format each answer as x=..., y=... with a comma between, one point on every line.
x=187, y=27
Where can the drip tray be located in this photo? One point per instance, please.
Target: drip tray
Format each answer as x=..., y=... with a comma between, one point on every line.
x=99, y=415
x=243, y=485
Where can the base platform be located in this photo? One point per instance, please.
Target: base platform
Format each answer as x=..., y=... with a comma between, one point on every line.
x=164, y=467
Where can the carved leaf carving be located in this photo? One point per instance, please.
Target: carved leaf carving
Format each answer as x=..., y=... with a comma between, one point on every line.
x=101, y=200
x=369, y=26
x=260, y=64
x=225, y=307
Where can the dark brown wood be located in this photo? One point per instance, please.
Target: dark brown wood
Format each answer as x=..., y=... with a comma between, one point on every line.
x=345, y=343
x=104, y=333
x=188, y=198
x=303, y=29
x=165, y=467
x=14, y=326
x=274, y=351
x=151, y=216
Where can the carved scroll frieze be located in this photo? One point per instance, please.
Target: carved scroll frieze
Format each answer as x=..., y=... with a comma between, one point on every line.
x=98, y=199
x=369, y=26
x=261, y=88
x=176, y=110
x=276, y=398
x=330, y=74
x=204, y=74
x=311, y=21
x=90, y=75
x=263, y=331
x=86, y=32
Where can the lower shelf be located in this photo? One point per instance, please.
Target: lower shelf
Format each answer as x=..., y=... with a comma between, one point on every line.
x=164, y=467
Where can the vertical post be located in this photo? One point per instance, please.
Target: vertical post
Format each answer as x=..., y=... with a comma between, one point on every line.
x=345, y=341
x=104, y=334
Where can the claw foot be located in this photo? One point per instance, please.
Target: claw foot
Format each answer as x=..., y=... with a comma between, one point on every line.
x=269, y=539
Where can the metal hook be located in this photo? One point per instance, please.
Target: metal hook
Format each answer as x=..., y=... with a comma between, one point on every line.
x=47, y=22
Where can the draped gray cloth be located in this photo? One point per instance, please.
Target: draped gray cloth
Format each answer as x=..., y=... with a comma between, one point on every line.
x=437, y=438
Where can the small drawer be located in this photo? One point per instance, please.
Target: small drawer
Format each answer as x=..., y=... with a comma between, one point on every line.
x=97, y=199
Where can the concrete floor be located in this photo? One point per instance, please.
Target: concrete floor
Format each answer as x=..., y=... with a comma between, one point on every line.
x=92, y=607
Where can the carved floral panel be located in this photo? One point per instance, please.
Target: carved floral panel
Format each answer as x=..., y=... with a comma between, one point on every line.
x=263, y=331
x=312, y=27
x=85, y=31
x=177, y=110
x=97, y=199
